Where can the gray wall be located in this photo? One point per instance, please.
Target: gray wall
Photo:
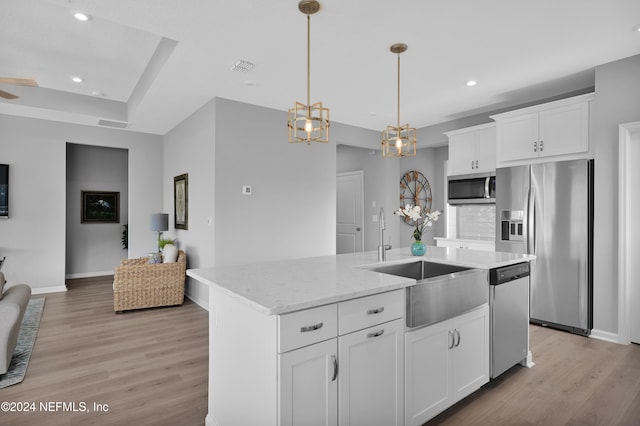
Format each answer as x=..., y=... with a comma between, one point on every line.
x=617, y=100
x=382, y=185
x=189, y=148
x=93, y=248
x=33, y=238
x=292, y=212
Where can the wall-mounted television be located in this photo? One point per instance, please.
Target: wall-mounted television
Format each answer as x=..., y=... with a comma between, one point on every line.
x=4, y=191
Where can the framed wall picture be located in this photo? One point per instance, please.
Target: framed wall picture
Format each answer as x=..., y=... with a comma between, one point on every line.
x=4, y=191
x=181, y=201
x=100, y=207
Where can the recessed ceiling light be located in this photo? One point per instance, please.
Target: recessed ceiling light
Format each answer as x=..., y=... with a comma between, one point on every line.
x=471, y=83
x=76, y=79
x=81, y=16
x=636, y=28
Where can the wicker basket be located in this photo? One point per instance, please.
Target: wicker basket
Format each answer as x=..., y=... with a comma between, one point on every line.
x=138, y=284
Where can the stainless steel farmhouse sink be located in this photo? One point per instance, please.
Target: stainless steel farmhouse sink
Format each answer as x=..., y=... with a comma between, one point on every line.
x=441, y=291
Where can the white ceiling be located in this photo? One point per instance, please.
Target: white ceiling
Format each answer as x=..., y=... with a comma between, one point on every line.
x=152, y=63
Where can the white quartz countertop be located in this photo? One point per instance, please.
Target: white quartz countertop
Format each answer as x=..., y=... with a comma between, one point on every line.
x=467, y=240
x=285, y=286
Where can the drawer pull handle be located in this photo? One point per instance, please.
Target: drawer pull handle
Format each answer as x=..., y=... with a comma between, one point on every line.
x=376, y=334
x=311, y=327
x=375, y=311
x=334, y=360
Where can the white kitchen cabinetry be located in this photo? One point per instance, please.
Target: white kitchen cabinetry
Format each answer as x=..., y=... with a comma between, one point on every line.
x=371, y=376
x=444, y=363
x=472, y=150
x=308, y=385
x=358, y=374
x=555, y=129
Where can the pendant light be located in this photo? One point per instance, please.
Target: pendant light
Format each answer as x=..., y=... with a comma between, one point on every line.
x=399, y=141
x=308, y=123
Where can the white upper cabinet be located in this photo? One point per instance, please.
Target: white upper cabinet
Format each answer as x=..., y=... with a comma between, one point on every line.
x=556, y=129
x=472, y=150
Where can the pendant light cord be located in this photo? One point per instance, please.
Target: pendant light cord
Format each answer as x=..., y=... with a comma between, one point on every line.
x=398, y=95
x=309, y=62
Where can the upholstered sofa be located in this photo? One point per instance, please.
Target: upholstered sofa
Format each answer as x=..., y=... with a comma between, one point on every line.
x=13, y=304
x=137, y=284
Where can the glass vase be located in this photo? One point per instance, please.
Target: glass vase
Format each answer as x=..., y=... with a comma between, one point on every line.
x=418, y=248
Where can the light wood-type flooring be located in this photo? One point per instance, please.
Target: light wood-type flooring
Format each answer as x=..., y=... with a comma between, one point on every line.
x=576, y=381
x=150, y=367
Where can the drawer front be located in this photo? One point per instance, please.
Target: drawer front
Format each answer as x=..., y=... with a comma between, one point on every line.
x=368, y=311
x=303, y=328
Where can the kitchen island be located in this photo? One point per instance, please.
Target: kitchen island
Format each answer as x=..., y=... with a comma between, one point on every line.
x=322, y=340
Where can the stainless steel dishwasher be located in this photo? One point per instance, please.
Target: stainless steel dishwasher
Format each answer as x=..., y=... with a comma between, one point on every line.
x=509, y=306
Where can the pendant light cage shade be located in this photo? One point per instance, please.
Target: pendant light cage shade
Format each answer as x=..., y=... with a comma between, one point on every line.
x=399, y=141
x=309, y=123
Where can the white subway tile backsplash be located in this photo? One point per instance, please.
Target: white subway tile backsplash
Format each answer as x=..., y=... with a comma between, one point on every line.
x=476, y=221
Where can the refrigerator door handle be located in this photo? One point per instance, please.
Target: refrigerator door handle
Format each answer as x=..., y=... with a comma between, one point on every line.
x=531, y=216
x=526, y=220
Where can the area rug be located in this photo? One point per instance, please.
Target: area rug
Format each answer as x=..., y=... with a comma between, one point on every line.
x=26, y=339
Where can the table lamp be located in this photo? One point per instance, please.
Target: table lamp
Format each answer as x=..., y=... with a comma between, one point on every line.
x=159, y=224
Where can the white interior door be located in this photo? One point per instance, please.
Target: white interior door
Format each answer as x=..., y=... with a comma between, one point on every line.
x=633, y=235
x=349, y=219
x=629, y=233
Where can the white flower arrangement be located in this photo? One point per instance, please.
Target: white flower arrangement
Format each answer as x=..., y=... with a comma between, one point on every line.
x=421, y=218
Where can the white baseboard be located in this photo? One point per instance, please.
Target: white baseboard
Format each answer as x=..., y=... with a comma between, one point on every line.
x=208, y=421
x=606, y=336
x=42, y=290
x=88, y=274
x=204, y=304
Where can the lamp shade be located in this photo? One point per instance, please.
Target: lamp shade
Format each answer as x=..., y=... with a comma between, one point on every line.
x=160, y=222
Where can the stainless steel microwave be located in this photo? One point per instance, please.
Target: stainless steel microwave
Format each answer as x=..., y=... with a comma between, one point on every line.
x=479, y=188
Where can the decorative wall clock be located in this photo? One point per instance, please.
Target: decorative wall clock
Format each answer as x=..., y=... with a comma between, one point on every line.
x=416, y=191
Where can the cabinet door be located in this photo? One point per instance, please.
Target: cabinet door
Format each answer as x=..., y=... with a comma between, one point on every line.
x=564, y=130
x=518, y=137
x=427, y=384
x=486, y=149
x=371, y=375
x=308, y=390
x=462, y=153
x=470, y=352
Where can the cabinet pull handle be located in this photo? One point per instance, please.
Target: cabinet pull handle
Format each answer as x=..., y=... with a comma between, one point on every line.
x=535, y=146
x=375, y=311
x=376, y=334
x=334, y=361
x=311, y=327
x=477, y=165
x=457, y=334
x=541, y=146
x=472, y=166
x=451, y=339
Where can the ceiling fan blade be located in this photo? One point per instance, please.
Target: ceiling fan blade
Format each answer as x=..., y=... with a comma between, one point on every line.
x=7, y=95
x=29, y=82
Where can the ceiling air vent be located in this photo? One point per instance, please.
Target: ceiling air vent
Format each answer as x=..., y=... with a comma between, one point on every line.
x=241, y=66
x=116, y=124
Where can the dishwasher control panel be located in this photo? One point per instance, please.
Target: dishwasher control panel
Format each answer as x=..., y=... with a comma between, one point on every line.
x=509, y=273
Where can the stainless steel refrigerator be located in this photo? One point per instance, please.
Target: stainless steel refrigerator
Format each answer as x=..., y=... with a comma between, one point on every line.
x=547, y=210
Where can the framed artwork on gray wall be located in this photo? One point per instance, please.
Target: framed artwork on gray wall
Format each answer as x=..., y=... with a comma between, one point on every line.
x=100, y=207
x=181, y=201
